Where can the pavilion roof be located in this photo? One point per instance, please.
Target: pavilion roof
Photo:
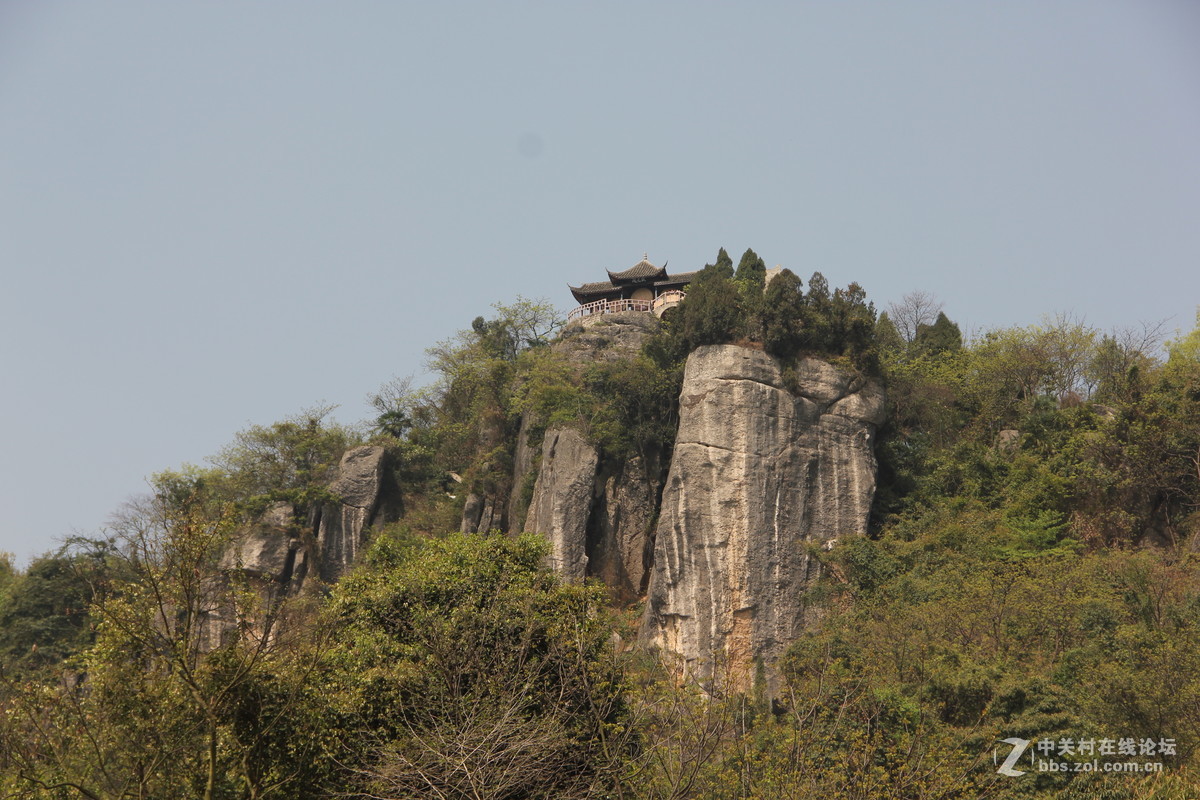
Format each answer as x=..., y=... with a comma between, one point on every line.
x=597, y=289
x=643, y=273
x=643, y=270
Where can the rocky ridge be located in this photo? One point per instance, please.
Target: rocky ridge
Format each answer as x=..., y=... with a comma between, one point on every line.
x=718, y=535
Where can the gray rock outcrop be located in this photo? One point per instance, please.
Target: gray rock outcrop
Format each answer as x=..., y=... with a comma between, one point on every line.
x=762, y=471
x=562, y=500
x=594, y=508
x=266, y=550
x=524, y=474
x=607, y=337
x=619, y=528
x=278, y=550
x=360, y=489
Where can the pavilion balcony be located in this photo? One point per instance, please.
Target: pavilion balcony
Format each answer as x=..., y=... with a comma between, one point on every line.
x=618, y=306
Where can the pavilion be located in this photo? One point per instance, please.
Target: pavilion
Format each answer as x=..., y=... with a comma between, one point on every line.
x=642, y=287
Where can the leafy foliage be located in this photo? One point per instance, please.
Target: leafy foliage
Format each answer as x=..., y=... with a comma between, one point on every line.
x=44, y=609
x=471, y=672
x=293, y=460
x=187, y=688
x=1031, y=573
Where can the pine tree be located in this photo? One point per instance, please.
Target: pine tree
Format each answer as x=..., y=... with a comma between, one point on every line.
x=723, y=267
x=887, y=336
x=752, y=270
x=943, y=336
x=783, y=315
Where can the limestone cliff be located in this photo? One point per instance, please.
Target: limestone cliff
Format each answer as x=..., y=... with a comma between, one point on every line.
x=363, y=499
x=596, y=510
x=762, y=470
x=281, y=552
x=562, y=500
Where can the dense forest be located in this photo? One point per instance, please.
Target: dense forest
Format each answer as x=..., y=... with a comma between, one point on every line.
x=1031, y=576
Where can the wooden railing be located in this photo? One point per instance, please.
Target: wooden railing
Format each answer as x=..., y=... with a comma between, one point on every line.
x=617, y=306
x=668, y=298
x=610, y=307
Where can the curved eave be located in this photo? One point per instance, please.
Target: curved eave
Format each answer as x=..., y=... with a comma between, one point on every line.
x=583, y=294
x=648, y=277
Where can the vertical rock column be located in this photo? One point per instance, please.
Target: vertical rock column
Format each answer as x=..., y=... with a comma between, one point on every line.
x=759, y=474
x=340, y=529
x=562, y=500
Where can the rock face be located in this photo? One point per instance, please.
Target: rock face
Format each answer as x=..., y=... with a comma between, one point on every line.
x=761, y=471
x=272, y=551
x=595, y=515
x=608, y=338
x=618, y=536
x=605, y=338
x=360, y=485
x=595, y=509
x=562, y=500
x=524, y=474
x=267, y=550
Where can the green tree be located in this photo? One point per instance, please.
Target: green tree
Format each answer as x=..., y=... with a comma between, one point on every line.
x=157, y=706
x=470, y=427
x=751, y=281
x=852, y=327
x=820, y=334
x=723, y=265
x=713, y=312
x=752, y=270
x=293, y=460
x=474, y=674
x=1187, y=347
x=887, y=335
x=943, y=336
x=783, y=316
x=44, y=610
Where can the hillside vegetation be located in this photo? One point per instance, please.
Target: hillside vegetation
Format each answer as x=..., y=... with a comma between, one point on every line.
x=1032, y=574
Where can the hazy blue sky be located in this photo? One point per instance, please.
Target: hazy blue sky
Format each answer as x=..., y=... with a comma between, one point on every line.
x=216, y=214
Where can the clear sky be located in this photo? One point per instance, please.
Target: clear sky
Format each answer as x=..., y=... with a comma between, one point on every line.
x=217, y=214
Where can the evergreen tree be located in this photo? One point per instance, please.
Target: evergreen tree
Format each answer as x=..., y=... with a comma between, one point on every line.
x=887, y=336
x=853, y=325
x=714, y=312
x=943, y=336
x=818, y=289
x=43, y=611
x=818, y=325
x=723, y=267
x=783, y=315
x=752, y=270
x=750, y=279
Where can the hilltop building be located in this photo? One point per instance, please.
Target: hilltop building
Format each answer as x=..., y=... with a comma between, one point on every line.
x=642, y=287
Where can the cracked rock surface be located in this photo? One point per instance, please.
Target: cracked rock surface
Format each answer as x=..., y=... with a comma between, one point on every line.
x=761, y=472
